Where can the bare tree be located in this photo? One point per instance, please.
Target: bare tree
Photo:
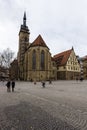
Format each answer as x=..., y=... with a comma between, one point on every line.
x=1, y=59
x=6, y=58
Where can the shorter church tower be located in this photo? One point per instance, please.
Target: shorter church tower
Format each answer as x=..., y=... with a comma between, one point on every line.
x=23, y=45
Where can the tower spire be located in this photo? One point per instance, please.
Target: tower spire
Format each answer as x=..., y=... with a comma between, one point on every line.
x=24, y=19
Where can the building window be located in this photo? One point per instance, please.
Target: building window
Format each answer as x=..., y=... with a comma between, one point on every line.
x=34, y=60
x=58, y=68
x=53, y=72
x=64, y=67
x=69, y=67
x=53, y=63
x=42, y=64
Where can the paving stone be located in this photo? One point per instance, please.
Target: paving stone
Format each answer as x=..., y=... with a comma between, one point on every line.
x=22, y=117
x=60, y=106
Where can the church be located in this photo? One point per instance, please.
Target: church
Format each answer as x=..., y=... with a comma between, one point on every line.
x=34, y=59
x=35, y=62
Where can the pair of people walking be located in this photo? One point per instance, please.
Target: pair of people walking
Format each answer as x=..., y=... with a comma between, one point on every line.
x=10, y=85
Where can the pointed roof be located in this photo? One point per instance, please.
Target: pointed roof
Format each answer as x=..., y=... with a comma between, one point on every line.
x=24, y=19
x=24, y=27
x=24, y=15
x=61, y=58
x=39, y=42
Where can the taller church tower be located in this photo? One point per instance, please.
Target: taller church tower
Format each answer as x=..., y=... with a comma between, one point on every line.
x=23, y=45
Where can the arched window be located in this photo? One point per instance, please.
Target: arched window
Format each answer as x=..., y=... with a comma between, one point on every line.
x=42, y=60
x=34, y=60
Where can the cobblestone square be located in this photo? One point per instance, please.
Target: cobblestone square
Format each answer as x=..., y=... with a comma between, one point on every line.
x=61, y=105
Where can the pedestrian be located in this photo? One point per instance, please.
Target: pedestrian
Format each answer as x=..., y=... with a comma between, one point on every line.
x=8, y=84
x=13, y=85
x=76, y=78
x=43, y=84
x=34, y=81
x=81, y=79
x=50, y=82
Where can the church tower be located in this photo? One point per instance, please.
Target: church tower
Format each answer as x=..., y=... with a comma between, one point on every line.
x=23, y=45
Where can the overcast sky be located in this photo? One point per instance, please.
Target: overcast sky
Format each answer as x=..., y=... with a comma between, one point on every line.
x=61, y=23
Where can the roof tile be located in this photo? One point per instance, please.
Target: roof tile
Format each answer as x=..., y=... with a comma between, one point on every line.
x=61, y=58
x=39, y=42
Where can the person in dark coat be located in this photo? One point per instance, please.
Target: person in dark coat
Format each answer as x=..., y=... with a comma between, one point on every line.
x=8, y=86
x=50, y=82
x=13, y=86
x=43, y=84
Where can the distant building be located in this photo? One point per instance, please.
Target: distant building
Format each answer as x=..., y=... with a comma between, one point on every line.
x=36, y=63
x=68, y=67
x=4, y=73
x=83, y=61
x=13, y=70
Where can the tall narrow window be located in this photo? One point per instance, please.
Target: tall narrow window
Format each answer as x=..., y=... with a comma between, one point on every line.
x=42, y=60
x=34, y=60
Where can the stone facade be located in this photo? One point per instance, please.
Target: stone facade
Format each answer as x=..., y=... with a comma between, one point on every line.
x=13, y=70
x=34, y=71
x=84, y=67
x=4, y=73
x=68, y=67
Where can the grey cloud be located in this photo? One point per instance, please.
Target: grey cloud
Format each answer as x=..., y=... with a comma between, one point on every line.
x=62, y=23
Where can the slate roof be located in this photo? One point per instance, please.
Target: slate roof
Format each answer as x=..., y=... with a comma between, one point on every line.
x=61, y=58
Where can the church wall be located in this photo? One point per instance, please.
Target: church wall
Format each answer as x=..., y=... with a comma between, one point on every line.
x=53, y=70
x=26, y=66
x=37, y=73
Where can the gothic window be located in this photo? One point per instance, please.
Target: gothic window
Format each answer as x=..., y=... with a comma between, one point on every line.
x=42, y=60
x=34, y=60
